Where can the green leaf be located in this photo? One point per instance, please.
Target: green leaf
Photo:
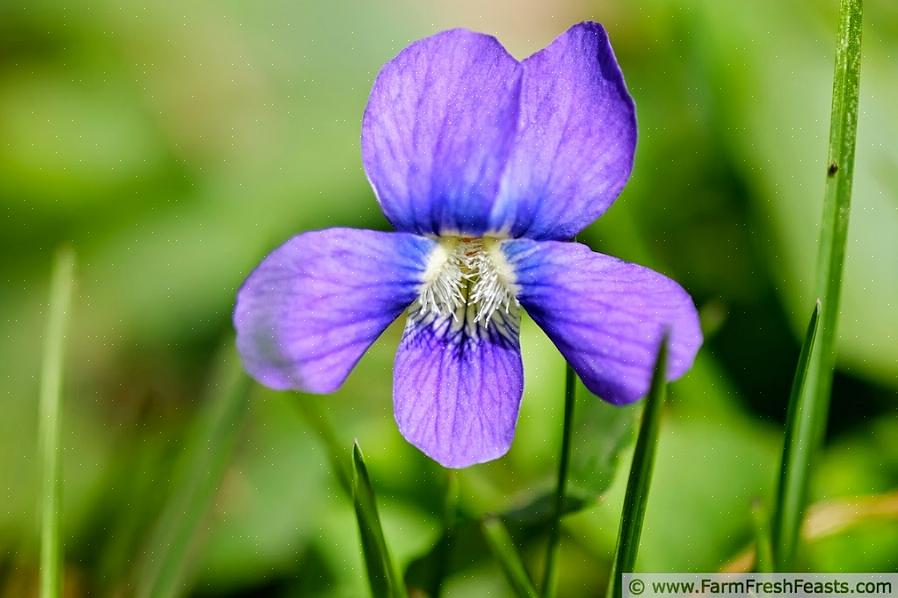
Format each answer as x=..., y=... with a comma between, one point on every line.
x=601, y=432
x=540, y=511
x=502, y=547
x=382, y=575
x=50, y=419
x=198, y=474
x=640, y=478
x=798, y=449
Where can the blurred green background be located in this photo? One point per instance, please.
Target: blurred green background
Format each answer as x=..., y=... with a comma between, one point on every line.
x=174, y=144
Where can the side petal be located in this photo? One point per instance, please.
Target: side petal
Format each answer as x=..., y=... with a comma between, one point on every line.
x=457, y=387
x=309, y=311
x=438, y=129
x=606, y=316
x=574, y=150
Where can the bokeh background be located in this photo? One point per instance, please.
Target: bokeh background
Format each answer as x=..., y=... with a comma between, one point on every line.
x=174, y=144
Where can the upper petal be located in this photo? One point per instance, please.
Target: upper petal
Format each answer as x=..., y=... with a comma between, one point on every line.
x=606, y=316
x=574, y=150
x=457, y=386
x=438, y=129
x=306, y=315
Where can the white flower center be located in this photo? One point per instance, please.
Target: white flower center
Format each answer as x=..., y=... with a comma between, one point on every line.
x=468, y=279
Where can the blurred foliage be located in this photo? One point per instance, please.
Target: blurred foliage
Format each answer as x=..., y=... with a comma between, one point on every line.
x=174, y=144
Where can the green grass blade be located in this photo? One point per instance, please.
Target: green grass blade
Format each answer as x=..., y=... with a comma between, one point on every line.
x=502, y=546
x=50, y=419
x=640, y=478
x=763, y=551
x=382, y=574
x=813, y=402
x=570, y=395
x=798, y=448
x=198, y=476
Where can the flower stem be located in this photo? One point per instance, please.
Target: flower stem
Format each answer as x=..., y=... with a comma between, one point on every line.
x=551, y=573
x=815, y=394
x=450, y=511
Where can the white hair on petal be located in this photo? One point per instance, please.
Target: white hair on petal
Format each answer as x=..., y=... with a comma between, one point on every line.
x=467, y=273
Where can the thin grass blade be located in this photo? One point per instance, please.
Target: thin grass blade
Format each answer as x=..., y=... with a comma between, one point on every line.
x=813, y=402
x=550, y=578
x=798, y=448
x=763, y=551
x=640, y=479
x=502, y=546
x=198, y=475
x=50, y=420
x=383, y=576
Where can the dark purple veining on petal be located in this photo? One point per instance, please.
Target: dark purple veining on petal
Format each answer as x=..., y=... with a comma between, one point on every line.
x=457, y=388
x=458, y=136
x=606, y=316
x=576, y=139
x=306, y=315
x=438, y=129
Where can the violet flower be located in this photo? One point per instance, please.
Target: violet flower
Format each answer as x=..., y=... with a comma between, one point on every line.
x=487, y=167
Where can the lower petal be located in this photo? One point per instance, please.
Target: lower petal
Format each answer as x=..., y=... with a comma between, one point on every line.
x=306, y=315
x=457, y=386
x=606, y=316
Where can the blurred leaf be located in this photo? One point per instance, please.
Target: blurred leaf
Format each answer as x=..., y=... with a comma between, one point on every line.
x=50, y=419
x=763, y=550
x=316, y=418
x=601, y=432
x=430, y=579
x=833, y=530
x=640, y=479
x=541, y=509
x=798, y=448
x=201, y=466
x=502, y=547
x=526, y=523
x=382, y=574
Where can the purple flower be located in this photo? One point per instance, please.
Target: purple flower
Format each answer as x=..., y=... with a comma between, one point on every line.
x=487, y=167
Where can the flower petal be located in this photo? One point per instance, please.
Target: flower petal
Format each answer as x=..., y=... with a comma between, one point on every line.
x=457, y=387
x=306, y=315
x=437, y=130
x=606, y=316
x=574, y=151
